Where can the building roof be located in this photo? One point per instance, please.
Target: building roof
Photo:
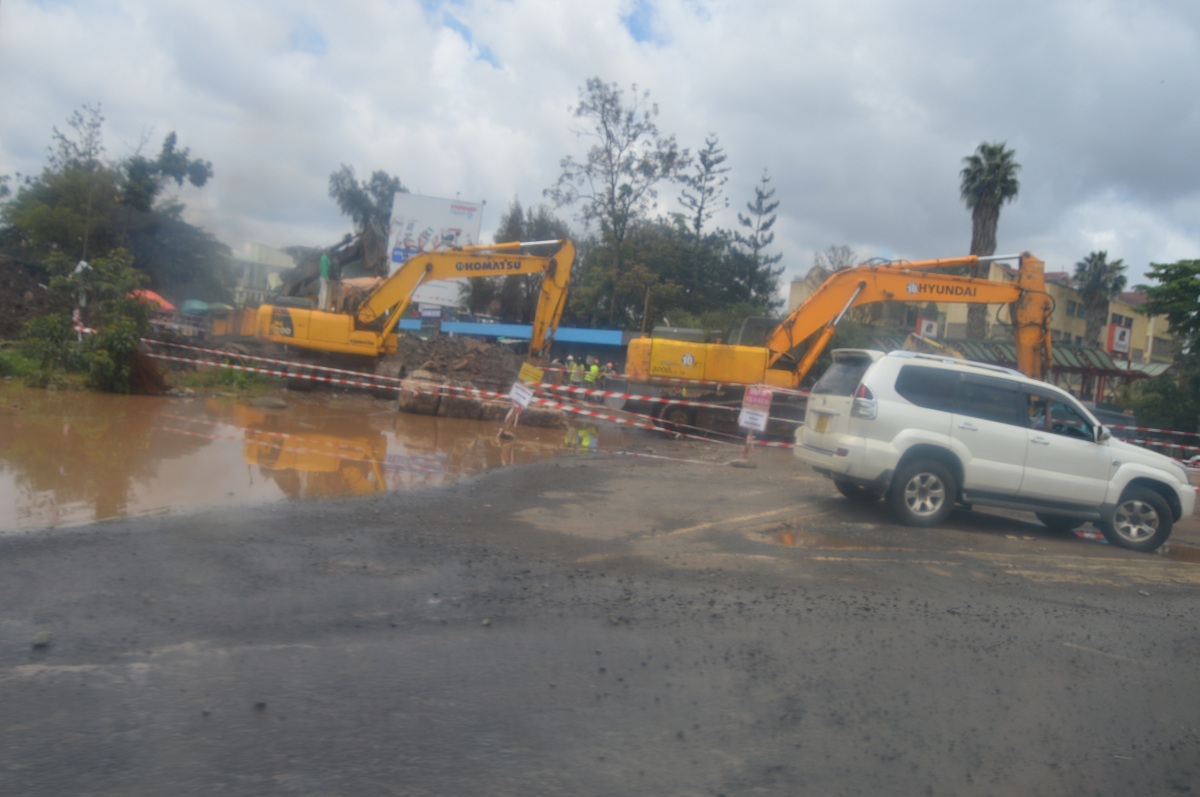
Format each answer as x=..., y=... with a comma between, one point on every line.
x=1067, y=359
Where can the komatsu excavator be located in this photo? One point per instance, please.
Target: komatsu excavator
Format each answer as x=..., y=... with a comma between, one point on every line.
x=369, y=327
x=794, y=345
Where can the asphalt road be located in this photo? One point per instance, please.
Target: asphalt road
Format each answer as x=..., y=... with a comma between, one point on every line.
x=596, y=625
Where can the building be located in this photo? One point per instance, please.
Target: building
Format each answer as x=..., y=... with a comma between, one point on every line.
x=1134, y=346
x=257, y=273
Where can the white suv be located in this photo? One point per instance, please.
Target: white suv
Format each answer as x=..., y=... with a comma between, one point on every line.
x=929, y=433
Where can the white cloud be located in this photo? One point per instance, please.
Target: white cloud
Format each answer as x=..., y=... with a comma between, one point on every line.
x=861, y=111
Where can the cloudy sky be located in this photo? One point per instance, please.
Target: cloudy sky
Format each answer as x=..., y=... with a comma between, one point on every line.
x=861, y=111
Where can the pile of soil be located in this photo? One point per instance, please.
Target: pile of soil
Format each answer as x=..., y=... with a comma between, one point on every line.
x=485, y=365
x=24, y=296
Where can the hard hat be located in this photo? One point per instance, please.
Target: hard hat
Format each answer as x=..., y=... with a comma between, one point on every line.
x=570, y=358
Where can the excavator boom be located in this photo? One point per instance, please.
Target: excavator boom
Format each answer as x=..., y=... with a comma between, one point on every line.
x=917, y=282
x=370, y=329
x=795, y=344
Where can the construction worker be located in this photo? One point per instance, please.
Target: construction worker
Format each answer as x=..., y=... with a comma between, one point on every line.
x=592, y=374
x=574, y=372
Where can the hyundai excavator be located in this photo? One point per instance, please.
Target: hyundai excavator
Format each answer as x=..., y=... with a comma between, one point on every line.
x=368, y=328
x=792, y=348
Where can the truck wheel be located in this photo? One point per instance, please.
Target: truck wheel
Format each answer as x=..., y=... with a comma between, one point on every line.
x=1141, y=521
x=674, y=417
x=923, y=493
x=1059, y=523
x=857, y=493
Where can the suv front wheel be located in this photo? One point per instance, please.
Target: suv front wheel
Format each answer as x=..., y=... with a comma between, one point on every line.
x=923, y=493
x=1141, y=521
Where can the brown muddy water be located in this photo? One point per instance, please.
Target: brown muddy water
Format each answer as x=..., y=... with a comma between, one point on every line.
x=69, y=458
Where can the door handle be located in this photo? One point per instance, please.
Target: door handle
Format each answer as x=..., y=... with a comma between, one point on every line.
x=968, y=427
x=1041, y=441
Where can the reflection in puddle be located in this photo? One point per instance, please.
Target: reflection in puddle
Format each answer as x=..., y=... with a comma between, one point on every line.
x=68, y=458
x=1182, y=553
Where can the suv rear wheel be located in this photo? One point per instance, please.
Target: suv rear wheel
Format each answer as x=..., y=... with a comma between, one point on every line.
x=923, y=493
x=1141, y=521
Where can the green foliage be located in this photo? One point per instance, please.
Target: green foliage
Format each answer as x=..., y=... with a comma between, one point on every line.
x=617, y=183
x=82, y=207
x=1098, y=282
x=703, y=189
x=988, y=180
x=241, y=381
x=760, y=275
x=1167, y=402
x=514, y=298
x=369, y=206
x=1176, y=296
x=15, y=362
x=110, y=353
x=51, y=344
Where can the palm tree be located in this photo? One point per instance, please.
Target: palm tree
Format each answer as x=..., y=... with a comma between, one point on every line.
x=1098, y=282
x=989, y=179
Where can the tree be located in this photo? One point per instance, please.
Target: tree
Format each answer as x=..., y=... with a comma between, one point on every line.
x=989, y=179
x=514, y=297
x=369, y=206
x=83, y=207
x=836, y=258
x=703, y=189
x=761, y=279
x=617, y=182
x=1098, y=282
x=1176, y=296
x=145, y=179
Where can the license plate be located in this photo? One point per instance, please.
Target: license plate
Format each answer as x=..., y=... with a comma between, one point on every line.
x=822, y=423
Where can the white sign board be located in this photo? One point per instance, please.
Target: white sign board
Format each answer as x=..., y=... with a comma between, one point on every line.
x=1119, y=338
x=521, y=394
x=422, y=223
x=927, y=328
x=756, y=408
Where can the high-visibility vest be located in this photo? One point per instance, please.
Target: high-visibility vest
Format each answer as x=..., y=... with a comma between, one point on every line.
x=590, y=376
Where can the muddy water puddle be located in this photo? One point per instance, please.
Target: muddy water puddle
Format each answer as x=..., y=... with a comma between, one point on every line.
x=69, y=458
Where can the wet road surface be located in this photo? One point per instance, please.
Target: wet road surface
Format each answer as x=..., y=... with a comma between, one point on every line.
x=68, y=458
x=595, y=625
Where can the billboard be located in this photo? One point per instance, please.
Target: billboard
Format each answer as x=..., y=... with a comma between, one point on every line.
x=422, y=223
x=1119, y=338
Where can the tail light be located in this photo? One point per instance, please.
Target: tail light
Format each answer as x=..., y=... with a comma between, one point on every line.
x=864, y=405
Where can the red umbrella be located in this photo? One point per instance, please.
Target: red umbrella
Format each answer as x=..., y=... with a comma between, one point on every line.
x=148, y=295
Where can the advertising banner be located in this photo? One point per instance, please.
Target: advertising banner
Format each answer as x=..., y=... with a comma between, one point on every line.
x=422, y=223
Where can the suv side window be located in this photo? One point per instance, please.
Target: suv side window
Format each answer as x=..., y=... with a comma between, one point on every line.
x=932, y=388
x=1051, y=413
x=989, y=398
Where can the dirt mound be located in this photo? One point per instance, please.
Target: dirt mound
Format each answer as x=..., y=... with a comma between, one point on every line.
x=486, y=365
x=24, y=296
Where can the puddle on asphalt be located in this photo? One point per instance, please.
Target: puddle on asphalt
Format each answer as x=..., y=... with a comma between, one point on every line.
x=68, y=458
x=1182, y=553
x=795, y=538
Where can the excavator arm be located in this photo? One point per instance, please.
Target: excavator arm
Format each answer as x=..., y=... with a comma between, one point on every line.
x=387, y=304
x=818, y=316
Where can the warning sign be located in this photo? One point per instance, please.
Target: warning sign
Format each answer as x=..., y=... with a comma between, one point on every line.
x=756, y=408
x=521, y=394
x=530, y=374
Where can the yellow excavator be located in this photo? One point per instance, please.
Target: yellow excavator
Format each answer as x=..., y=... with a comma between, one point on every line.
x=795, y=344
x=369, y=327
x=654, y=364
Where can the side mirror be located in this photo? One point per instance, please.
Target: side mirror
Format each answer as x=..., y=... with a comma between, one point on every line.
x=1103, y=434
